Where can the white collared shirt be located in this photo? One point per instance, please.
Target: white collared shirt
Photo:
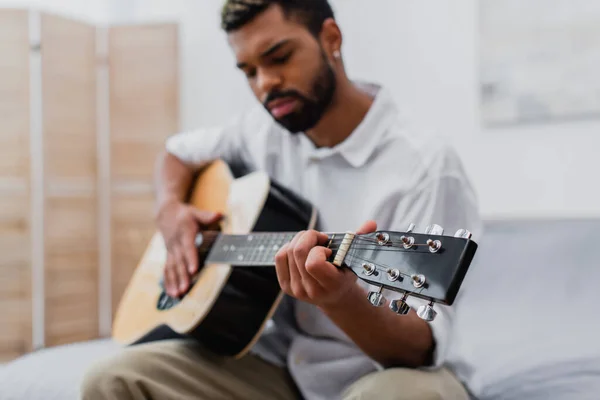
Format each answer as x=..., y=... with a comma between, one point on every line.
x=383, y=171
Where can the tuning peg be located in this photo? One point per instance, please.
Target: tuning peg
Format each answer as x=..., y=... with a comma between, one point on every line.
x=382, y=238
x=368, y=269
x=434, y=245
x=376, y=298
x=418, y=280
x=463, y=233
x=411, y=227
x=434, y=230
x=393, y=274
x=426, y=312
x=407, y=241
x=400, y=306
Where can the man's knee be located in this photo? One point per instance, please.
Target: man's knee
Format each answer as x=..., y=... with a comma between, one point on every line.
x=100, y=380
x=113, y=377
x=407, y=384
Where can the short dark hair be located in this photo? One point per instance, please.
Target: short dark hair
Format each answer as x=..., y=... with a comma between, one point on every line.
x=311, y=13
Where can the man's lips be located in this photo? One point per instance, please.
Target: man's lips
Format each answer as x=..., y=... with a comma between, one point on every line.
x=282, y=107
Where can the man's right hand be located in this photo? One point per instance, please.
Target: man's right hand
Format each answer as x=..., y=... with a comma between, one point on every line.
x=179, y=224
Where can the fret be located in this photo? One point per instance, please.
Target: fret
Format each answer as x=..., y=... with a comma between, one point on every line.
x=255, y=249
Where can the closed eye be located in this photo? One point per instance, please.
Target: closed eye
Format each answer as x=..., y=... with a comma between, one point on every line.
x=283, y=59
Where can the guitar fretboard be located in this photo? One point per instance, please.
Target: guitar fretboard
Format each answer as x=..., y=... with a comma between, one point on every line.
x=257, y=249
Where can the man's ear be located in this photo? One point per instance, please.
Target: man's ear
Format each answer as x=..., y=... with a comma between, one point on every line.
x=331, y=38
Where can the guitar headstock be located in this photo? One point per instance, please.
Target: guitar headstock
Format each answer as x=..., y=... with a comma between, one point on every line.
x=427, y=265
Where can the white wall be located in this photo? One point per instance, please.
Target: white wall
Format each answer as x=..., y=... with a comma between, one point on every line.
x=211, y=87
x=98, y=11
x=426, y=52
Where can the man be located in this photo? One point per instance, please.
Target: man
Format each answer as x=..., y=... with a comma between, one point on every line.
x=343, y=146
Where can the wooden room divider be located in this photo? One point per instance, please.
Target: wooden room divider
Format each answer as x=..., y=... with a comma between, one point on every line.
x=143, y=107
x=15, y=187
x=69, y=135
x=84, y=110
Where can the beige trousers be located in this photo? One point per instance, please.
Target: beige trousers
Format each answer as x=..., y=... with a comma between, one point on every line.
x=181, y=370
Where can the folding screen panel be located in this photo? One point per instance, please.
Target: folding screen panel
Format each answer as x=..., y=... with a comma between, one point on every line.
x=143, y=70
x=68, y=67
x=15, y=243
x=84, y=111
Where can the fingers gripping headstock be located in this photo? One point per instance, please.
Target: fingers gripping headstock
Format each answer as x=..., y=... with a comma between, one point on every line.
x=426, y=265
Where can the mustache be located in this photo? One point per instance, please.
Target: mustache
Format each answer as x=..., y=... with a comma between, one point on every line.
x=282, y=94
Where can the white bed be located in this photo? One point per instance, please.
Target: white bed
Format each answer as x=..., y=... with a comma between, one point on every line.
x=54, y=373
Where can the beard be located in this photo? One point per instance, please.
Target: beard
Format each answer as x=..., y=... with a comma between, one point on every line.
x=311, y=108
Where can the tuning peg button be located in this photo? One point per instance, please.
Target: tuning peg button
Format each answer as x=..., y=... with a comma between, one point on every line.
x=376, y=298
x=434, y=230
x=463, y=233
x=400, y=306
x=426, y=312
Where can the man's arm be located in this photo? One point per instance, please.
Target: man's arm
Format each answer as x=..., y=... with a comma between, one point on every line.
x=304, y=273
x=388, y=338
x=178, y=222
x=172, y=180
x=174, y=175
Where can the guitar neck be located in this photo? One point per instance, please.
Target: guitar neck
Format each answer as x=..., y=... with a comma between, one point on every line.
x=255, y=249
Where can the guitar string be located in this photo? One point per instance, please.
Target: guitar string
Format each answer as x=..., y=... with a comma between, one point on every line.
x=420, y=291
x=354, y=256
x=399, y=245
x=367, y=244
x=336, y=242
x=333, y=248
x=336, y=246
x=266, y=235
x=372, y=244
x=383, y=266
x=377, y=265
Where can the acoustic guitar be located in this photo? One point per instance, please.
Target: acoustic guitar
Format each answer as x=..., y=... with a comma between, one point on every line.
x=236, y=290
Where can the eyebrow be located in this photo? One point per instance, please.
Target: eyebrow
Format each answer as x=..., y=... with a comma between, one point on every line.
x=268, y=52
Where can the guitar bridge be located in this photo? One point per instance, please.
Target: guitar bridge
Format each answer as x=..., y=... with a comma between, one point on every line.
x=343, y=249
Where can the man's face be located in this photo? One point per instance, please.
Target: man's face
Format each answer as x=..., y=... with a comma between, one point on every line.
x=286, y=68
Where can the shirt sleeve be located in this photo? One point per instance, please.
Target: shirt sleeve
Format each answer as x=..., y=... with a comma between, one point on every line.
x=445, y=198
x=228, y=142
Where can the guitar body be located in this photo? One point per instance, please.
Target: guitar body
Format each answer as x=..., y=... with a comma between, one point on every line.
x=226, y=308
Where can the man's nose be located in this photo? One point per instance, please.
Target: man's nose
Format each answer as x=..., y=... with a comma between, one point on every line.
x=268, y=81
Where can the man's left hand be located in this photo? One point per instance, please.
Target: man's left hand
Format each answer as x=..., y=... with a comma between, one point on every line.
x=304, y=272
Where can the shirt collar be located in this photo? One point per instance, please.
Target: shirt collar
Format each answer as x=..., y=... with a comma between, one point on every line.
x=360, y=145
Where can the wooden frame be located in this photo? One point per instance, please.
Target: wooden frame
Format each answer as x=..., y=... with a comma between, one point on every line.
x=15, y=198
x=84, y=110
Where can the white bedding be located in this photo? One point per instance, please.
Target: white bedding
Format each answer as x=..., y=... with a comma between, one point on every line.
x=53, y=373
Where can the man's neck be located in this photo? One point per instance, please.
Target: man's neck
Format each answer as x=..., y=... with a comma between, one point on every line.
x=347, y=110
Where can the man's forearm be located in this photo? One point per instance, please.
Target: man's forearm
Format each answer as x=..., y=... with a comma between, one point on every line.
x=388, y=338
x=172, y=180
